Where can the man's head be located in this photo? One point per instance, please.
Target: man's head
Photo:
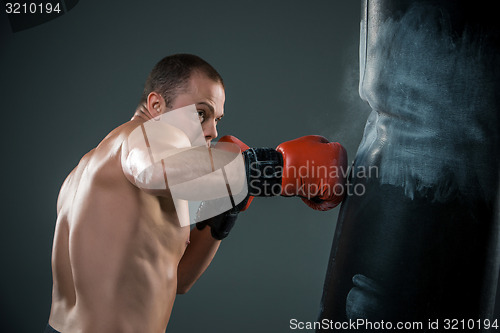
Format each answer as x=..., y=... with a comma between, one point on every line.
x=184, y=79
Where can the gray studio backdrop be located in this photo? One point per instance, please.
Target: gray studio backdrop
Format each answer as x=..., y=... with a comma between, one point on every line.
x=290, y=69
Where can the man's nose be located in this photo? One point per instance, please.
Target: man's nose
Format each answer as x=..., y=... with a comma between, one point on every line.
x=211, y=131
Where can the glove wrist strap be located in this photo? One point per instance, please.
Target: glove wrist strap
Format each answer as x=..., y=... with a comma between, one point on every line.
x=264, y=168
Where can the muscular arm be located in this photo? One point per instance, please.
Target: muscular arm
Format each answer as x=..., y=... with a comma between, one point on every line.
x=196, y=258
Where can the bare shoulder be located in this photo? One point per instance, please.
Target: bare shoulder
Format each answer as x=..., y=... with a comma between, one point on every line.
x=104, y=164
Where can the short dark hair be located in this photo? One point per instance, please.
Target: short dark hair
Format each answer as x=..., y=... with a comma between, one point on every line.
x=170, y=76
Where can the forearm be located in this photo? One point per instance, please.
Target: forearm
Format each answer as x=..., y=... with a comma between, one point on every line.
x=196, y=258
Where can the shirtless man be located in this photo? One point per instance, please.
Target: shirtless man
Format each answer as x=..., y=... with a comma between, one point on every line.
x=116, y=247
x=120, y=255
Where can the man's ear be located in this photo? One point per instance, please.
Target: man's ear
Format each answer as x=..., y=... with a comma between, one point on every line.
x=156, y=104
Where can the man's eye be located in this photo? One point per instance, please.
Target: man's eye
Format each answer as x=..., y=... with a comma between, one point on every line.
x=201, y=116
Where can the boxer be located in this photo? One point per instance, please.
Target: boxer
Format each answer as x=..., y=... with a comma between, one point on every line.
x=120, y=255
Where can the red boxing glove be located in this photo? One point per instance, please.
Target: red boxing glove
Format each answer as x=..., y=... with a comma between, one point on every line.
x=243, y=147
x=315, y=170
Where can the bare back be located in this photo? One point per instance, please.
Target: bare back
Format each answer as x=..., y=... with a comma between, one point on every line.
x=116, y=248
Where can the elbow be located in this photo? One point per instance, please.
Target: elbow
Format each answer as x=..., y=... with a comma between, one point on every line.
x=183, y=289
x=184, y=285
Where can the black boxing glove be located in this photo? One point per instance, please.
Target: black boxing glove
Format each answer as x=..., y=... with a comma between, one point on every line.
x=220, y=225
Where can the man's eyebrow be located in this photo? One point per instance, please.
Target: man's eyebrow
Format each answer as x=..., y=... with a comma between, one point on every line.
x=211, y=108
x=208, y=105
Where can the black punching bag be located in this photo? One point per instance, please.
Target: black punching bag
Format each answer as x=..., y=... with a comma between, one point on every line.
x=422, y=242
